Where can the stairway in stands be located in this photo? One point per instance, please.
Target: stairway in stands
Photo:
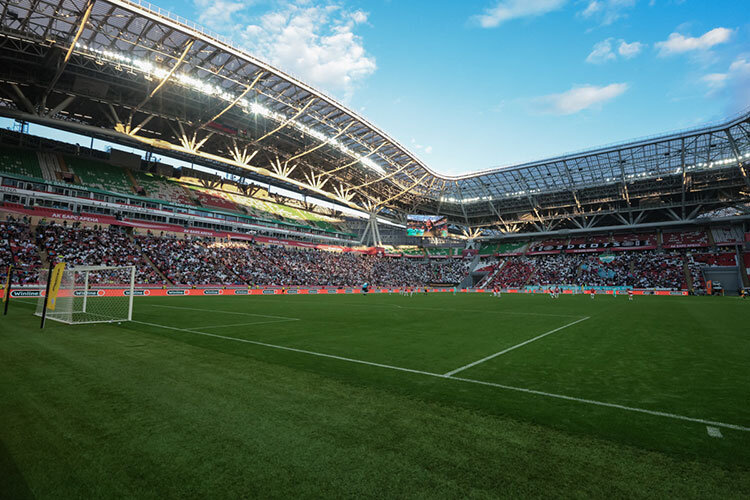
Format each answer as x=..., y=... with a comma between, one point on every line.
x=686, y=271
x=136, y=186
x=530, y=278
x=488, y=279
x=50, y=165
x=149, y=261
x=43, y=256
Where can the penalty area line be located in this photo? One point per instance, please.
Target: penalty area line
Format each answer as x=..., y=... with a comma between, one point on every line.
x=211, y=327
x=293, y=349
x=491, y=356
x=592, y=402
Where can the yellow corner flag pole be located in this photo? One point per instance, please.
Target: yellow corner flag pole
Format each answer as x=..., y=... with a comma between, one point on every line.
x=54, y=278
x=6, y=290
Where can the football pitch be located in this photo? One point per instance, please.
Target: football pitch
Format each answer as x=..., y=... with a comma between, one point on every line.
x=436, y=395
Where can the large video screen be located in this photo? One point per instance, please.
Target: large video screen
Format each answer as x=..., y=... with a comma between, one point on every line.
x=426, y=226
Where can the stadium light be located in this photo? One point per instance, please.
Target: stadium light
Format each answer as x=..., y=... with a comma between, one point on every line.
x=151, y=70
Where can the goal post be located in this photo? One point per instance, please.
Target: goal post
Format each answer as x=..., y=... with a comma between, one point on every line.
x=91, y=294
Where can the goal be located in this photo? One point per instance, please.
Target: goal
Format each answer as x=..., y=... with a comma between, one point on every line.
x=91, y=294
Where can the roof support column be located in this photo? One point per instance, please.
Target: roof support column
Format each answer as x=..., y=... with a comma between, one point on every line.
x=738, y=157
x=357, y=160
x=61, y=68
x=684, y=177
x=233, y=103
x=371, y=235
x=164, y=80
x=64, y=104
x=24, y=100
x=323, y=143
x=286, y=122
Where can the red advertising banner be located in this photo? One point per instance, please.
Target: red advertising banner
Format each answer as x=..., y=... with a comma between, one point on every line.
x=218, y=292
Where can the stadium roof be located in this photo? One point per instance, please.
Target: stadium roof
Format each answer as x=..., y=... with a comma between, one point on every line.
x=132, y=73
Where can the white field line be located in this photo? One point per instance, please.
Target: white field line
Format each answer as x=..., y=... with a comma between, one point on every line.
x=248, y=324
x=222, y=312
x=607, y=405
x=294, y=349
x=468, y=380
x=475, y=363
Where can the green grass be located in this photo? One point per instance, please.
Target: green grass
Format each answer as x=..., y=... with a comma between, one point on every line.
x=145, y=411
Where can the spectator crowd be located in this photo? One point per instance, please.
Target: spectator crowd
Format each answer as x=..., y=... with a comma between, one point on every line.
x=638, y=269
x=17, y=248
x=193, y=261
x=95, y=246
x=199, y=262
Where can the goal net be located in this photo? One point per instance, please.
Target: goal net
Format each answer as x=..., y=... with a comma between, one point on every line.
x=91, y=294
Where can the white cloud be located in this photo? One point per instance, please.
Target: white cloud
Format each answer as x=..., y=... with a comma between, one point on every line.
x=716, y=80
x=740, y=66
x=581, y=98
x=733, y=85
x=420, y=147
x=604, y=51
x=739, y=70
x=218, y=14
x=607, y=11
x=315, y=42
x=678, y=43
x=629, y=50
x=592, y=8
x=506, y=10
x=359, y=17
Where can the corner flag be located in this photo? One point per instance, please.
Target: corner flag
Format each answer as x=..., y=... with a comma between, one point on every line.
x=6, y=290
x=54, y=287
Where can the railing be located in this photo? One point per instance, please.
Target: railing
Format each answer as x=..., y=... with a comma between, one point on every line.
x=155, y=9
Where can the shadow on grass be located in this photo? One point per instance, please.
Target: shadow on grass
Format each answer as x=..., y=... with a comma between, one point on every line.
x=12, y=483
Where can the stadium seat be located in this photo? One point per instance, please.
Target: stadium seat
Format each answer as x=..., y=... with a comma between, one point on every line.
x=20, y=162
x=100, y=175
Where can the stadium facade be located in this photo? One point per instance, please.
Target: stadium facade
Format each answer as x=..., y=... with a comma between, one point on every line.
x=130, y=73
